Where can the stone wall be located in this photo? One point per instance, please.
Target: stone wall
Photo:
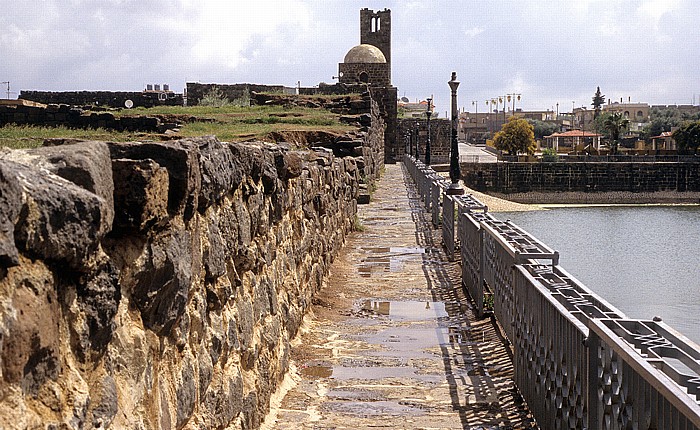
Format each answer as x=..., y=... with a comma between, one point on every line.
x=440, y=130
x=618, y=182
x=73, y=117
x=115, y=99
x=375, y=73
x=158, y=285
x=345, y=103
x=232, y=92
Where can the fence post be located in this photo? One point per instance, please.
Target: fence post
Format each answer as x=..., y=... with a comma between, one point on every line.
x=593, y=347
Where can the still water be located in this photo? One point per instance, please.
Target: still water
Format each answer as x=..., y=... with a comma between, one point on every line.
x=644, y=260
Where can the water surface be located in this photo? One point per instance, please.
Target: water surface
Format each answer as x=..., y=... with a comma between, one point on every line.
x=644, y=260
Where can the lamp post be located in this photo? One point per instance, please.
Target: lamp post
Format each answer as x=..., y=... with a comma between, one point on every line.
x=476, y=128
x=417, y=139
x=428, y=113
x=407, y=143
x=513, y=97
x=455, y=174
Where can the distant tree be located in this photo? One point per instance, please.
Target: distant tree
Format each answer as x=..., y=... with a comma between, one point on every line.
x=615, y=124
x=543, y=128
x=516, y=136
x=598, y=102
x=666, y=119
x=687, y=137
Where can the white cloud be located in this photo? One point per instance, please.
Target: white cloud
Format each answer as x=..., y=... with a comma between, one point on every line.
x=548, y=50
x=473, y=32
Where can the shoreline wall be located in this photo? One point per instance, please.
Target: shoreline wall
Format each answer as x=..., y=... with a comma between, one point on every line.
x=592, y=182
x=158, y=284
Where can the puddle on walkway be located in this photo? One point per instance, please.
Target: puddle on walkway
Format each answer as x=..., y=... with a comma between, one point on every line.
x=381, y=409
x=382, y=373
x=405, y=310
x=387, y=259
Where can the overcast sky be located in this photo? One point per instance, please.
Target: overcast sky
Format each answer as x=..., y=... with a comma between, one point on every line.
x=550, y=51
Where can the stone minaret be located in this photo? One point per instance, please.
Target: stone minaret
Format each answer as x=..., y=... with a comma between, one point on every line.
x=375, y=29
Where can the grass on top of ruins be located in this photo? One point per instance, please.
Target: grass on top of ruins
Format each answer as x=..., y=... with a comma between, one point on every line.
x=228, y=122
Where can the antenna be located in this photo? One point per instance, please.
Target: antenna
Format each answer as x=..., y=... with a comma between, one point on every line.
x=8, y=92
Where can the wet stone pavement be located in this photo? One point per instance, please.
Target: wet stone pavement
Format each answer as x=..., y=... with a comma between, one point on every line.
x=392, y=341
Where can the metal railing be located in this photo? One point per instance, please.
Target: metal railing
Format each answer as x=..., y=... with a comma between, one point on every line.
x=579, y=362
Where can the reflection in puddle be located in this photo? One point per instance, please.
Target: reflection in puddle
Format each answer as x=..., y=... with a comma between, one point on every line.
x=409, y=310
x=387, y=259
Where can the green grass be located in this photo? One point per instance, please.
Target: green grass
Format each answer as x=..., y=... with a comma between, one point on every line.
x=228, y=123
x=27, y=136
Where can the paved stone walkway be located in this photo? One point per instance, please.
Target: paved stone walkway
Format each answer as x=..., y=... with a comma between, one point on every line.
x=391, y=341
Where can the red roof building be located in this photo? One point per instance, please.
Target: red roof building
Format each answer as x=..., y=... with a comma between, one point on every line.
x=573, y=140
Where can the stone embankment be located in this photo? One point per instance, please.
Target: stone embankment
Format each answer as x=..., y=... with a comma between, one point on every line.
x=158, y=285
x=587, y=182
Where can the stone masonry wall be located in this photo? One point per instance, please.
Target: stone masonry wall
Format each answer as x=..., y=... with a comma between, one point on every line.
x=73, y=117
x=158, y=285
x=115, y=99
x=595, y=182
x=440, y=130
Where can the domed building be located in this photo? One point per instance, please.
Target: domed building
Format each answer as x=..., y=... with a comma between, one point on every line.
x=369, y=62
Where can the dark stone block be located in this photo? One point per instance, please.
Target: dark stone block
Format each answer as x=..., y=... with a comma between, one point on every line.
x=181, y=159
x=186, y=395
x=58, y=220
x=98, y=297
x=215, y=256
x=162, y=287
x=10, y=205
x=140, y=194
x=289, y=165
x=221, y=173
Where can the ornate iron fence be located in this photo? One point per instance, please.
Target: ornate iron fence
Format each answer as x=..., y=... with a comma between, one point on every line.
x=579, y=362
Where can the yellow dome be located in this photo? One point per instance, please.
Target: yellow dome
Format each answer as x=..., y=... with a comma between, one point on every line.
x=365, y=54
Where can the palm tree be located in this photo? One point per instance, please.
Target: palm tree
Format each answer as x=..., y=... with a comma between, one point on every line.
x=615, y=124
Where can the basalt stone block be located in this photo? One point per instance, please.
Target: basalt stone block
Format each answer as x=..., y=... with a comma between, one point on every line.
x=214, y=256
x=181, y=159
x=58, y=220
x=86, y=164
x=98, y=298
x=162, y=286
x=221, y=172
x=186, y=394
x=289, y=165
x=224, y=402
x=140, y=194
x=10, y=205
x=249, y=158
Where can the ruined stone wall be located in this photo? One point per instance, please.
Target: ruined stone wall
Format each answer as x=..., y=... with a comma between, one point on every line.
x=73, y=117
x=232, y=92
x=594, y=182
x=115, y=99
x=158, y=285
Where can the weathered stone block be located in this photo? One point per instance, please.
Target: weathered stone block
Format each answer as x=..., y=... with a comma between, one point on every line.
x=162, y=286
x=221, y=172
x=10, y=205
x=58, y=220
x=181, y=159
x=140, y=194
